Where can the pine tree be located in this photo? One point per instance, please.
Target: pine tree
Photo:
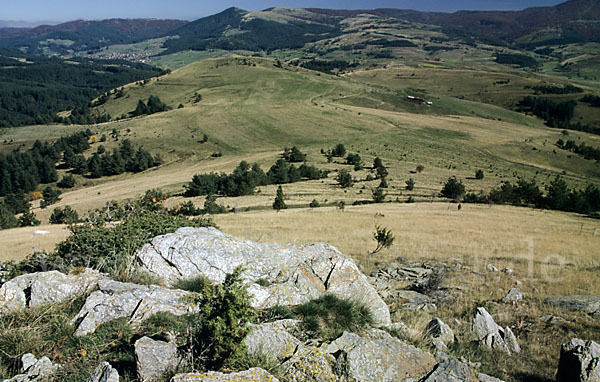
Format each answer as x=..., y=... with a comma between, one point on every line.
x=279, y=203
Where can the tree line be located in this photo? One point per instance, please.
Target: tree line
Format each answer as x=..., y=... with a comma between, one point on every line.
x=245, y=178
x=588, y=152
x=559, y=196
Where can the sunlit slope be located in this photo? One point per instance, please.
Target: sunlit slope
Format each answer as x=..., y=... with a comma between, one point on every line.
x=251, y=108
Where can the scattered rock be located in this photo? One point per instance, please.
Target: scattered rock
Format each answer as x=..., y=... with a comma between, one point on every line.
x=579, y=362
x=294, y=274
x=582, y=303
x=40, y=288
x=379, y=359
x=451, y=370
x=34, y=369
x=491, y=268
x=440, y=334
x=415, y=301
x=513, y=296
x=488, y=378
x=154, y=358
x=255, y=375
x=554, y=320
x=104, y=373
x=114, y=300
x=489, y=333
x=508, y=271
x=273, y=339
x=310, y=364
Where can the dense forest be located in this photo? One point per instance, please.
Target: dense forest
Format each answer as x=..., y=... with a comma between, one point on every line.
x=33, y=89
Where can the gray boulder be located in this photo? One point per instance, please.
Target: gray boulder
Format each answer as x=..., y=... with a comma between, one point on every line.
x=310, y=364
x=439, y=333
x=252, y=375
x=513, y=296
x=289, y=275
x=155, y=358
x=114, y=300
x=273, y=339
x=581, y=303
x=490, y=334
x=104, y=373
x=34, y=369
x=488, y=378
x=452, y=370
x=40, y=288
x=383, y=358
x=579, y=362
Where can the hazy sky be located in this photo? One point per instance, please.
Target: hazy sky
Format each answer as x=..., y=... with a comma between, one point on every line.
x=64, y=10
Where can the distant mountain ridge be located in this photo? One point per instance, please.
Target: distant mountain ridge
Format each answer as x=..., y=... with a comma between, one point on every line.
x=282, y=28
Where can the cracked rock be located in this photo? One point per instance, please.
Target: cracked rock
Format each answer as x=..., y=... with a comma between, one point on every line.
x=115, y=299
x=40, y=288
x=487, y=332
x=289, y=275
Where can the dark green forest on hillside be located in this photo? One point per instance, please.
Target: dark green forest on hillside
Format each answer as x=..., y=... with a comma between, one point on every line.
x=33, y=89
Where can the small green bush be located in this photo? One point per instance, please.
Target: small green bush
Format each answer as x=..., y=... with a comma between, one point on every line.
x=329, y=316
x=200, y=284
x=344, y=179
x=383, y=237
x=378, y=195
x=51, y=196
x=410, y=184
x=65, y=215
x=479, y=174
x=279, y=203
x=28, y=219
x=314, y=204
x=67, y=181
x=453, y=188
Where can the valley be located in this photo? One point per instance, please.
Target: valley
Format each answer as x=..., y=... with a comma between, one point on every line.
x=405, y=87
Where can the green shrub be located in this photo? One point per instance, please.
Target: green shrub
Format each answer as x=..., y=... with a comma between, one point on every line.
x=344, y=179
x=410, y=184
x=211, y=206
x=109, y=248
x=65, y=215
x=200, y=284
x=329, y=316
x=7, y=218
x=479, y=174
x=28, y=219
x=225, y=323
x=314, y=204
x=383, y=237
x=51, y=196
x=339, y=150
x=378, y=195
x=453, y=188
x=67, y=181
x=279, y=203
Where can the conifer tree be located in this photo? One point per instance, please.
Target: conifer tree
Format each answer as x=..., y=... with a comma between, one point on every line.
x=279, y=203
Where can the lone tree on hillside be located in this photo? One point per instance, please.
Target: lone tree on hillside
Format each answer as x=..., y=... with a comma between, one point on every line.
x=379, y=168
x=383, y=237
x=479, y=174
x=279, y=203
x=453, y=189
x=344, y=178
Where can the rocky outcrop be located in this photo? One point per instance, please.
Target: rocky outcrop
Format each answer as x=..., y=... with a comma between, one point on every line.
x=513, y=296
x=34, y=369
x=273, y=339
x=579, y=362
x=452, y=370
x=40, y=288
x=490, y=334
x=288, y=275
x=581, y=303
x=439, y=333
x=383, y=358
x=310, y=364
x=114, y=300
x=104, y=373
x=255, y=375
x=155, y=358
